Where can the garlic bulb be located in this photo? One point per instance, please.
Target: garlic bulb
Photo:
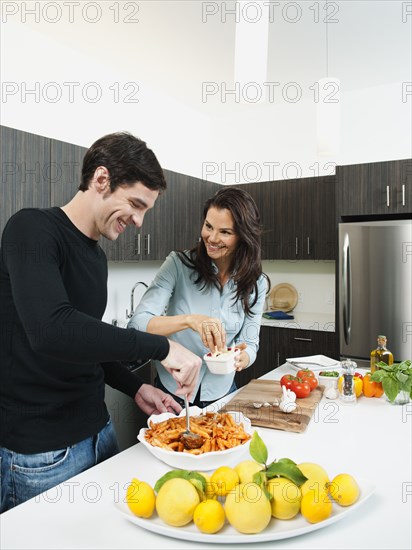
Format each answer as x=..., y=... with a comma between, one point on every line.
x=331, y=393
x=287, y=403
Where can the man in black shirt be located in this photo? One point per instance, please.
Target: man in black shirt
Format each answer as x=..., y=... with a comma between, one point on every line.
x=55, y=352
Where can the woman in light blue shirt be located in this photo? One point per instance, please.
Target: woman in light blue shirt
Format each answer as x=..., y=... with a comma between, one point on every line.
x=213, y=294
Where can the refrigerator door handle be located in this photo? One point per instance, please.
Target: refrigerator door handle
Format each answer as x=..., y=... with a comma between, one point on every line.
x=346, y=289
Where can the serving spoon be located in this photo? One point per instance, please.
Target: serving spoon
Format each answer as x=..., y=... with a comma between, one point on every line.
x=189, y=439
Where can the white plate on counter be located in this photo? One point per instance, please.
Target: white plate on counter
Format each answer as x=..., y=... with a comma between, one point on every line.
x=313, y=362
x=276, y=530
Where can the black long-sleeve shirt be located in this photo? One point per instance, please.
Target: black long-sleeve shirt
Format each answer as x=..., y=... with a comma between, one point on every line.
x=55, y=352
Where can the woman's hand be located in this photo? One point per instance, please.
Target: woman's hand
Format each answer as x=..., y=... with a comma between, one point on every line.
x=210, y=329
x=243, y=359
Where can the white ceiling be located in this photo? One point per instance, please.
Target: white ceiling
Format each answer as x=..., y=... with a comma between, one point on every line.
x=176, y=46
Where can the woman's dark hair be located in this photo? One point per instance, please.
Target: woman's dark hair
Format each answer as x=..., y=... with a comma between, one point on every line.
x=246, y=265
x=128, y=160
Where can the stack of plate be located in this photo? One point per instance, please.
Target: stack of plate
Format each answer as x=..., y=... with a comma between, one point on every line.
x=283, y=297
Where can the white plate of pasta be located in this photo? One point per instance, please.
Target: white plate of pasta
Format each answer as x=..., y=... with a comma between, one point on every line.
x=227, y=436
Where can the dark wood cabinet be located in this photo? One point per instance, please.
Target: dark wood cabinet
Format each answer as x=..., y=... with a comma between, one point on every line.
x=375, y=188
x=298, y=217
x=25, y=172
x=66, y=162
x=268, y=198
x=308, y=231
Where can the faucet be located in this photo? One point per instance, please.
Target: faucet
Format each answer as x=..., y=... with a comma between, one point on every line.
x=129, y=315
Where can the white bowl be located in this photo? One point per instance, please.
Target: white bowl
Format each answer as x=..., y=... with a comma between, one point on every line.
x=329, y=381
x=205, y=461
x=223, y=362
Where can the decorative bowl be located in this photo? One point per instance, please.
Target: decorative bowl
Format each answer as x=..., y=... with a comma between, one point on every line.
x=205, y=461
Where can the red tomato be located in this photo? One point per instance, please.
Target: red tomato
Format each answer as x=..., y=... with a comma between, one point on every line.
x=358, y=375
x=305, y=373
x=287, y=380
x=309, y=376
x=300, y=387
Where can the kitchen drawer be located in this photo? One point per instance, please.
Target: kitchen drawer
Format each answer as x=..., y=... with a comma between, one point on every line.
x=296, y=343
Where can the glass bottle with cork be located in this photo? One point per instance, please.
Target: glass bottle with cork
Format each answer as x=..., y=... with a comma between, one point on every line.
x=381, y=353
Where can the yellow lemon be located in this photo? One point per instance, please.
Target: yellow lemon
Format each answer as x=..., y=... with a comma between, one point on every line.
x=315, y=506
x=248, y=509
x=246, y=469
x=317, y=477
x=176, y=502
x=140, y=498
x=223, y=480
x=286, y=498
x=344, y=489
x=209, y=516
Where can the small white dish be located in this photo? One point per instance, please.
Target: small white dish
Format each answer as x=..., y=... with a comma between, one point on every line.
x=329, y=381
x=221, y=362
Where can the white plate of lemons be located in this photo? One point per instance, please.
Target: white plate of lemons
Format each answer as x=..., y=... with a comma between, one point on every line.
x=177, y=493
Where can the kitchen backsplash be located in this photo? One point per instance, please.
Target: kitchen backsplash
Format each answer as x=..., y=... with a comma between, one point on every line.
x=313, y=280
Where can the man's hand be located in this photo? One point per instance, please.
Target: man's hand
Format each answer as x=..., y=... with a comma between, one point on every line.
x=154, y=401
x=184, y=366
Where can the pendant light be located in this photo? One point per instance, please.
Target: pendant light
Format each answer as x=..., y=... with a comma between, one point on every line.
x=327, y=94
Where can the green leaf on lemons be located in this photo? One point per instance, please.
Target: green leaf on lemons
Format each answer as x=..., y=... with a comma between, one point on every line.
x=258, y=450
x=286, y=468
x=195, y=478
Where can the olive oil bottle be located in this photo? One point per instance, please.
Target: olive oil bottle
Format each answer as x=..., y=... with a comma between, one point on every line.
x=381, y=353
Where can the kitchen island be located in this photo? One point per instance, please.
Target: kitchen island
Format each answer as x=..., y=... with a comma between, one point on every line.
x=371, y=440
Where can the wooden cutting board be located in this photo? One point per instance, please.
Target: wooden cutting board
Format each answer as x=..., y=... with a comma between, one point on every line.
x=261, y=391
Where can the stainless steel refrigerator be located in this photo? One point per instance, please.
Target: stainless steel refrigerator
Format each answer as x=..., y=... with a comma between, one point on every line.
x=375, y=288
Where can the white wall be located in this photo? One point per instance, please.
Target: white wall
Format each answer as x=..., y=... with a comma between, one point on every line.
x=314, y=281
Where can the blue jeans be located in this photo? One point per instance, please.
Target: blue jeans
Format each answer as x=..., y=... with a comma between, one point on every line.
x=24, y=476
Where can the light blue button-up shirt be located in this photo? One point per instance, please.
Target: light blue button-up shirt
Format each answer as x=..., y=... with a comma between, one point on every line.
x=174, y=291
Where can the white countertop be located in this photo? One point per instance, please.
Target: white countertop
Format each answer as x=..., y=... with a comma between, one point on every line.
x=371, y=440
x=304, y=321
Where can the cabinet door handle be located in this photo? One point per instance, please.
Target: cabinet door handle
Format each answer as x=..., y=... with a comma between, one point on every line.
x=278, y=359
x=308, y=240
x=387, y=196
x=303, y=339
x=138, y=241
x=403, y=195
x=296, y=246
x=147, y=238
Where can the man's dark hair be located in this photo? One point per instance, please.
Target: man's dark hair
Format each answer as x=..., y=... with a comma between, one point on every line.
x=128, y=160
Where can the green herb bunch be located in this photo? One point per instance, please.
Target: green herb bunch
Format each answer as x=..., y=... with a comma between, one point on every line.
x=394, y=378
